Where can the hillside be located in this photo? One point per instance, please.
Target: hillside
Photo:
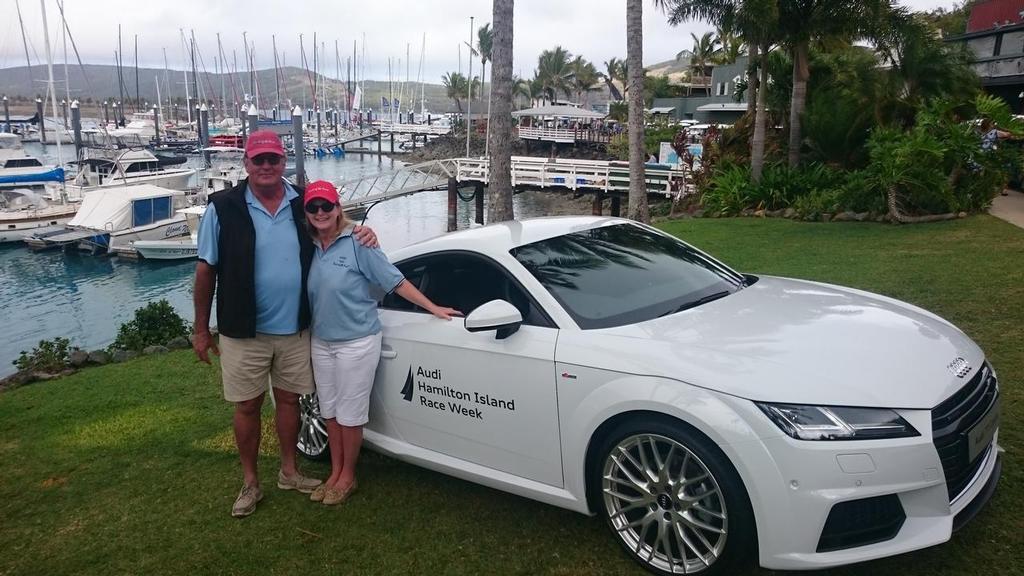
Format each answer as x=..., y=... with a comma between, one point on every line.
x=99, y=82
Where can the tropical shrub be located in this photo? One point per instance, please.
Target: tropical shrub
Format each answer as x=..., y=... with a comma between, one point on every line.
x=154, y=323
x=729, y=190
x=50, y=356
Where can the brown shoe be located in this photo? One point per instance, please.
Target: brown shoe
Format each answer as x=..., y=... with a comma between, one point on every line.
x=332, y=496
x=296, y=482
x=246, y=502
x=318, y=494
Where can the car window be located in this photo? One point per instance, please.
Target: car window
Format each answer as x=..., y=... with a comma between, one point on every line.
x=623, y=274
x=464, y=282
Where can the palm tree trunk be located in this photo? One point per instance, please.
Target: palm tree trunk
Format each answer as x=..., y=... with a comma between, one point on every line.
x=798, y=102
x=499, y=188
x=638, y=209
x=760, y=121
x=752, y=80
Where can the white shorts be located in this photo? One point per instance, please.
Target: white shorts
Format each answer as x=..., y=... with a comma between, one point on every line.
x=344, y=372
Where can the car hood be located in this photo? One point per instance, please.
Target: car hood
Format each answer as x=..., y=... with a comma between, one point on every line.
x=783, y=340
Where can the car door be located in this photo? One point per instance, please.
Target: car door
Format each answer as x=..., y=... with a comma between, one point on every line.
x=470, y=395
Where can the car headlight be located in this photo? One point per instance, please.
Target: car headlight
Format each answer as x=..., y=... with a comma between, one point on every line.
x=805, y=422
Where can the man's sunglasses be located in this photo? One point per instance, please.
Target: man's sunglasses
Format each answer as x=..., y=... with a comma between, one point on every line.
x=272, y=159
x=314, y=207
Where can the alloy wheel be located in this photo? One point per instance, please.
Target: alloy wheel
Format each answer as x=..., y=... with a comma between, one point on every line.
x=312, y=430
x=665, y=504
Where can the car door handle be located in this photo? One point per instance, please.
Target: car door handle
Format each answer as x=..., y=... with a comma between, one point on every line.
x=388, y=353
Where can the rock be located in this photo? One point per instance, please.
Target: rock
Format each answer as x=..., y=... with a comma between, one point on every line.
x=15, y=380
x=699, y=213
x=881, y=218
x=157, y=349
x=78, y=357
x=844, y=217
x=99, y=357
x=826, y=217
x=179, y=343
x=123, y=355
x=746, y=212
x=774, y=213
x=962, y=215
x=861, y=216
x=789, y=213
x=759, y=213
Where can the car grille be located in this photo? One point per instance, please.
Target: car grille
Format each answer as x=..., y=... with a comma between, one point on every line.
x=951, y=422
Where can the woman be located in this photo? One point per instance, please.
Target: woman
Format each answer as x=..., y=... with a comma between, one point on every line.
x=346, y=331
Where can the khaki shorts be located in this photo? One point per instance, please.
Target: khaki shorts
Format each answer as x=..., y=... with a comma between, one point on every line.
x=247, y=363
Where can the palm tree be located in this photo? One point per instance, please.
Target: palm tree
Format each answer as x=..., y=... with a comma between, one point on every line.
x=614, y=70
x=484, y=41
x=584, y=77
x=554, y=72
x=703, y=53
x=757, y=22
x=638, y=209
x=499, y=188
x=455, y=85
x=804, y=21
x=731, y=48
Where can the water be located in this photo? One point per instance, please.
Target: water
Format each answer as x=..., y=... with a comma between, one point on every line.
x=48, y=294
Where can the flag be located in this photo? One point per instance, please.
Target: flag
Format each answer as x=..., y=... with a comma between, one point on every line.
x=396, y=103
x=384, y=102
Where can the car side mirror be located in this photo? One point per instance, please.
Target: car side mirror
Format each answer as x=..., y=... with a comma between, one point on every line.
x=495, y=315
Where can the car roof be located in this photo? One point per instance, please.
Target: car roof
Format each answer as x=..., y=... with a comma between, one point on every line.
x=497, y=239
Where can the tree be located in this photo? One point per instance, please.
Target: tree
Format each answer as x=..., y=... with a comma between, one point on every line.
x=585, y=77
x=731, y=47
x=804, y=21
x=499, y=186
x=702, y=55
x=638, y=209
x=484, y=41
x=614, y=71
x=456, y=86
x=554, y=72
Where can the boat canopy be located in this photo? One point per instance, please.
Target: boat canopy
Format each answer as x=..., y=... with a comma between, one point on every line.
x=55, y=175
x=123, y=208
x=558, y=112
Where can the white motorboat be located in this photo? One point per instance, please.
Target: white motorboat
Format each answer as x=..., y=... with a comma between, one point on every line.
x=181, y=248
x=119, y=168
x=226, y=169
x=19, y=169
x=111, y=218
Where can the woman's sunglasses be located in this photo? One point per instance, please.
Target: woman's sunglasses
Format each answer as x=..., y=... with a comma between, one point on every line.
x=272, y=159
x=314, y=207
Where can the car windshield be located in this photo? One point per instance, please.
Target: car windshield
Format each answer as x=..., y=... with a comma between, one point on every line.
x=623, y=274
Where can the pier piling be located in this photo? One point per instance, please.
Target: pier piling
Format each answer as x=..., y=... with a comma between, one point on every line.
x=598, y=205
x=156, y=125
x=7, y=116
x=300, y=147
x=616, y=207
x=253, y=119
x=42, y=122
x=478, y=200
x=453, y=204
x=204, y=119
x=76, y=125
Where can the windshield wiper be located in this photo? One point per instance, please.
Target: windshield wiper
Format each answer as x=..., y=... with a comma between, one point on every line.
x=698, y=302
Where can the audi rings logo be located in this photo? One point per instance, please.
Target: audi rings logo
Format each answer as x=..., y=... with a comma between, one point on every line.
x=959, y=367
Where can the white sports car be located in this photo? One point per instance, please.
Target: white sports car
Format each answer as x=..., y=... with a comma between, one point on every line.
x=609, y=368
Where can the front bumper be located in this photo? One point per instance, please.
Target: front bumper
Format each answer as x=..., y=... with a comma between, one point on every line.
x=793, y=485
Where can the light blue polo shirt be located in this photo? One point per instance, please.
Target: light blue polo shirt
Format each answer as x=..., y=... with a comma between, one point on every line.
x=339, y=288
x=278, y=270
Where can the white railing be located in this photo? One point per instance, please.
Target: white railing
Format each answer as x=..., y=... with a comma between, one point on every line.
x=563, y=135
x=415, y=128
x=402, y=182
x=584, y=175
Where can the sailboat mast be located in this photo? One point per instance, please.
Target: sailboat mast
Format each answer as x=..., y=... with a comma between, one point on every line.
x=24, y=41
x=195, y=73
x=167, y=88
x=67, y=81
x=277, y=78
x=49, y=69
x=423, y=102
x=138, y=99
x=120, y=76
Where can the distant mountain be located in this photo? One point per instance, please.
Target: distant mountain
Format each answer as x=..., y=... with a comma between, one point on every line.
x=674, y=69
x=96, y=83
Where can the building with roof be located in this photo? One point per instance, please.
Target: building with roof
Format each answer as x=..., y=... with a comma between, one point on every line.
x=995, y=35
x=720, y=106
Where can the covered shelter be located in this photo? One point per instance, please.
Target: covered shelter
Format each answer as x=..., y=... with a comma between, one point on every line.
x=561, y=124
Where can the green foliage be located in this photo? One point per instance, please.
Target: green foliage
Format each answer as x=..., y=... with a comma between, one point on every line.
x=154, y=323
x=50, y=356
x=618, y=146
x=730, y=190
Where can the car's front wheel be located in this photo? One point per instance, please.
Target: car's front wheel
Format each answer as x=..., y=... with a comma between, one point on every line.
x=673, y=500
x=312, y=429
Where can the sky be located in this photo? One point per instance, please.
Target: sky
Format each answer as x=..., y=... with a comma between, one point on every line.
x=594, y=29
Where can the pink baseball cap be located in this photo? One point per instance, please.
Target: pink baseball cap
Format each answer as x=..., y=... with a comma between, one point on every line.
x=320, y=190
x=263, y=142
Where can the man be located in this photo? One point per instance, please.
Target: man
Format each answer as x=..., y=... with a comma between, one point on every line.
x=255, y=253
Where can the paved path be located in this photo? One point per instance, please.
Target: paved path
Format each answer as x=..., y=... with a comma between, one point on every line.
x=1009, y=207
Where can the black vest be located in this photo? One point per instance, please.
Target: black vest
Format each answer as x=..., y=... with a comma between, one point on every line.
x=236, y=268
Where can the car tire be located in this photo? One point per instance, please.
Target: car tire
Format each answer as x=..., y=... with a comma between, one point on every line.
x=672, y=499
x=312, y=429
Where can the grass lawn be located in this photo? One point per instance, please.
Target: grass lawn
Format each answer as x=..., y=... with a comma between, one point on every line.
x=130, y=469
